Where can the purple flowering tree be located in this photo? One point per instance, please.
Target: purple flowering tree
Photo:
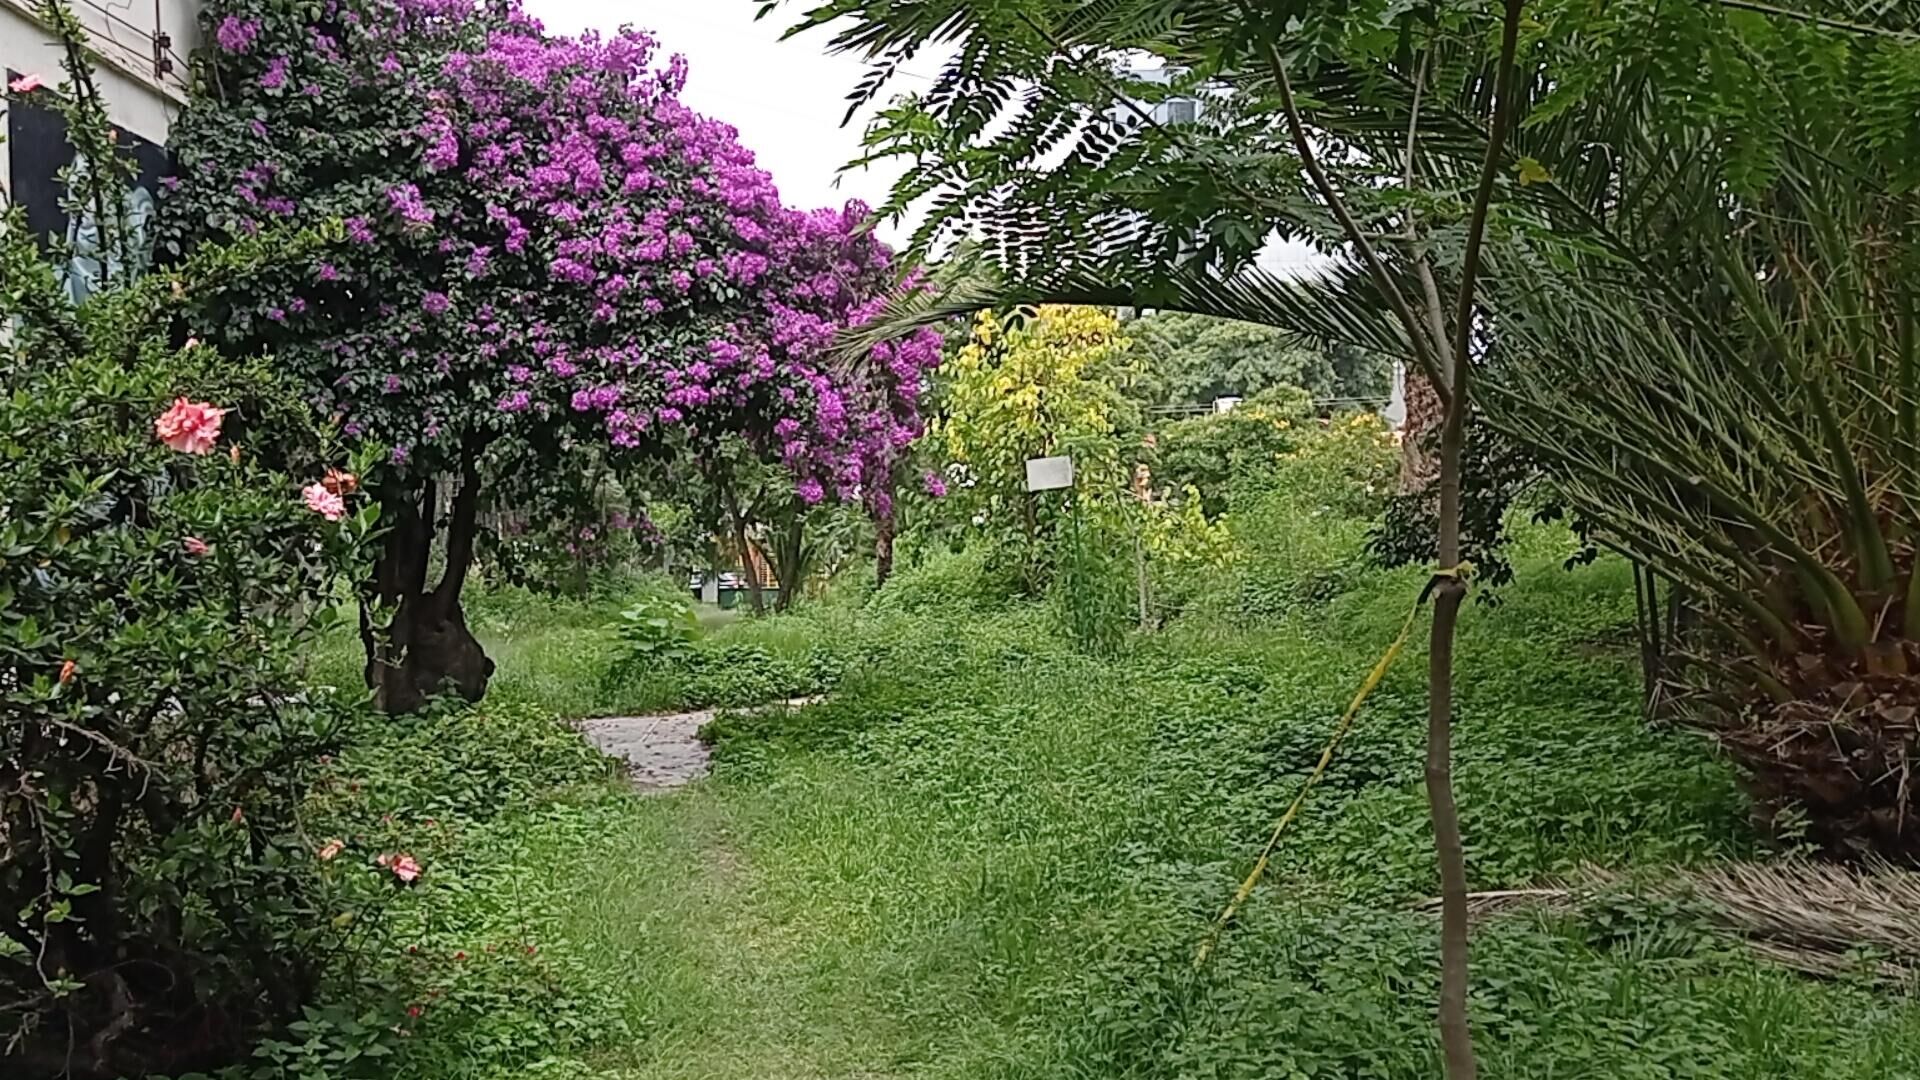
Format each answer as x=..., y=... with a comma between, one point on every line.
x=544, y=253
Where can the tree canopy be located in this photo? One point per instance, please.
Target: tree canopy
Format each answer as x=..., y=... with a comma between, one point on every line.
x=546, y=252
x=1194, y=359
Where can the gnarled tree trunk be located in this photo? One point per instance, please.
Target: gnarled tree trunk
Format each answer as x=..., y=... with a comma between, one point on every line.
x=426, y=648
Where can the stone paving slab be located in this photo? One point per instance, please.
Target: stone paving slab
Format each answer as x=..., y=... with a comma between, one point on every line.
x=663, y=751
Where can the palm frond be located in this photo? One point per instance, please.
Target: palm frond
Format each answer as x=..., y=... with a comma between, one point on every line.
x=1336, y=307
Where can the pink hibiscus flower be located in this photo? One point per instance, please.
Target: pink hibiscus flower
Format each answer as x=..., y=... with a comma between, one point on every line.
x=403, y=866
x=323, y=502
x=331, y=850
x=26, y=84
x=191, y=427
x=196, y=546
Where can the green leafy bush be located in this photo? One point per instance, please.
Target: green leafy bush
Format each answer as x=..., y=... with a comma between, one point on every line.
x=1093, y=590
x=951, y=581
x=436, y=836
x=1208, y=452
x=655, y=631
x=1295, y=556
x=732, y=675
x=1496, y=474
x=739, y=675
x=156, y=597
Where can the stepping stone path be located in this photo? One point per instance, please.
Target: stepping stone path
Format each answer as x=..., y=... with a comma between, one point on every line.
x=663, y=751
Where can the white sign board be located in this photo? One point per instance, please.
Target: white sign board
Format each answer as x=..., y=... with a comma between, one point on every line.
x=1049, y=473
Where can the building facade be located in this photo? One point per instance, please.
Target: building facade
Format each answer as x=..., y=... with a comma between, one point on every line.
x=139, y=57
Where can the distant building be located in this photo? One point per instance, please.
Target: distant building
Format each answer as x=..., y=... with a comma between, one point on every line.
x=1176, y=110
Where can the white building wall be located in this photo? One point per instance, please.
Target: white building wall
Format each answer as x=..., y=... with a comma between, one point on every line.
x=139, y=98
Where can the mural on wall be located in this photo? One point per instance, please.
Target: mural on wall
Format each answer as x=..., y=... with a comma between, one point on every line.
x=37, y=138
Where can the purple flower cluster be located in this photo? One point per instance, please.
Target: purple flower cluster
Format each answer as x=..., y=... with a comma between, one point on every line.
x=235, y=34
x=406, y=201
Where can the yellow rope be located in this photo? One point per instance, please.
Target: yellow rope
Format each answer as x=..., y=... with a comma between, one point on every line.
x=1340, y=730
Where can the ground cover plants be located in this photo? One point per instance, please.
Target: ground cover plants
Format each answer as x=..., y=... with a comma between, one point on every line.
x=992, y=854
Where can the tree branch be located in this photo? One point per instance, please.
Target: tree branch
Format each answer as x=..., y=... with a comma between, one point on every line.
x=1423, y=269
x=1483, y=201
x=460, y=534
x=1818, y=20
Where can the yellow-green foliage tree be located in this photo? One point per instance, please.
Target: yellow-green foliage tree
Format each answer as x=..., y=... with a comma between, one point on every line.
x=1041, y=386
x=1051, y=384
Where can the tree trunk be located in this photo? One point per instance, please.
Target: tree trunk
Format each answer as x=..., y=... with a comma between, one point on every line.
x=1419, y=438
x=1429, y=343
x=440, y=651
x=793, y=566
x=737, y=518
x=1456, y=1037
x=427, y=645
x=882, y=550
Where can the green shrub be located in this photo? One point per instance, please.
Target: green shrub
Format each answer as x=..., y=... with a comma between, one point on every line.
x=654, y=631
x=156, y=897
x=1293, y=557
x=738, y=675
x=722, y=675
x=458, y=970
x=949, y=581
x=1093, y=593
x=457, y=763
x=1208, y=452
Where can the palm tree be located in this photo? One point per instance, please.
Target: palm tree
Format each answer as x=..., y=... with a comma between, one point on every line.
x=1701, y=319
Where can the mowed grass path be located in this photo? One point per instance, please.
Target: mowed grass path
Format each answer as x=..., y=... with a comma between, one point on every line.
x=990, y=857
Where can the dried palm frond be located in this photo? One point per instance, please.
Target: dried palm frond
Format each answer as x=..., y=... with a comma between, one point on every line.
x=1823, y=919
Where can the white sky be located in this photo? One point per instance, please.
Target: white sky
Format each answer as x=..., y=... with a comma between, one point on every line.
x=786, y=98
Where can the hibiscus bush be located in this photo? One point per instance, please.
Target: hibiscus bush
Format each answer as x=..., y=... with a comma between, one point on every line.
x=160, y=574
x=545, y=253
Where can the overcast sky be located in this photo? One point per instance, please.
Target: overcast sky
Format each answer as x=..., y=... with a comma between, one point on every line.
x=786, y=98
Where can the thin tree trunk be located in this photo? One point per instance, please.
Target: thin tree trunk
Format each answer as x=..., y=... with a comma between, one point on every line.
x=756, y=593
x=882, y=550
x=756, y=597
x=1449, y=372
x=791, y=550
x=1456, y=1038
x=462, y=531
